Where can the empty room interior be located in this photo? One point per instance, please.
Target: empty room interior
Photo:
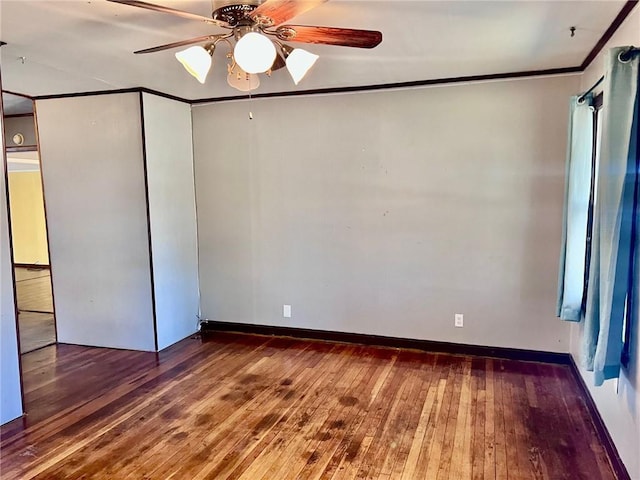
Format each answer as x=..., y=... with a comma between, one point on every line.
x=320, y=239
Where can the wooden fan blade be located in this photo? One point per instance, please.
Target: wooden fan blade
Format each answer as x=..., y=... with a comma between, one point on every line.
x=173, y=11
x=178, y=44
x=274, y=12
x=346, y=37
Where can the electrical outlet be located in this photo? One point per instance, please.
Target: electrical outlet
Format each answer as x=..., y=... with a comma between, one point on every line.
x=458, y=320
x=286, y=311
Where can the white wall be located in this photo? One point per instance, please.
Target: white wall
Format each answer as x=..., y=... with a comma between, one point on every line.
x=387, y=212
x=93, y=176
x=167, y=128
x=617, y=401
x=10, y=399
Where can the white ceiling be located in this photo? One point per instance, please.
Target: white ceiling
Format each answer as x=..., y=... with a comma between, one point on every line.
x=76, y=46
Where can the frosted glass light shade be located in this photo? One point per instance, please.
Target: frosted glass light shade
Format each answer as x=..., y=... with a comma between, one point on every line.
x=243, y=81
x=254, y=53
x=299, y=62
x=196, y=60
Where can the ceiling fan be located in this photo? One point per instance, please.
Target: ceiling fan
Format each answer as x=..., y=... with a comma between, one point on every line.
x=249, y=22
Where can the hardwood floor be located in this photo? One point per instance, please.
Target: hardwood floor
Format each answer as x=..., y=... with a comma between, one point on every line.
x=35, y=308
x=253, y=407
x=37, y=330
x=34, y=294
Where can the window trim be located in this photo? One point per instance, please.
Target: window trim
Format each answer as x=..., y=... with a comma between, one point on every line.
x=596, y=103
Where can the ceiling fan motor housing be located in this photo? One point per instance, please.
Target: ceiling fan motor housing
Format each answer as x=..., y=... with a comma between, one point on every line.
x=232, y=12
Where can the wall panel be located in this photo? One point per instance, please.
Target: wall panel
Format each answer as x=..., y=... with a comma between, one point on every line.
x=11, y=398
x=167, y=127
x=93, y=170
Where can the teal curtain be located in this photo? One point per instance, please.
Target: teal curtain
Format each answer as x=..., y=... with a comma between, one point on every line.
x=576, y=209
x=611, y=277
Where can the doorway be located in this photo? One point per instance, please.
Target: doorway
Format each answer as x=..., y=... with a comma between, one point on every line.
x=36, y=316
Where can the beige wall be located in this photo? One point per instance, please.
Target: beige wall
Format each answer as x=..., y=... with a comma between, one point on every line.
x=172, y=217
x=118, y=177
x=617, y=401
x=388, y=212
x=93, y=173
x=27, y=218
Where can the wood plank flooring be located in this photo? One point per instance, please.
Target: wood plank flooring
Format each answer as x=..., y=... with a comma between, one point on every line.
x=34, y=294
x=254, y=407
x=35, y=308
x=37, y=330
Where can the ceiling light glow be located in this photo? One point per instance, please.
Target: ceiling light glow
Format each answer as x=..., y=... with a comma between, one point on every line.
x=254, y=53
x=197, y=61
x=299, y=62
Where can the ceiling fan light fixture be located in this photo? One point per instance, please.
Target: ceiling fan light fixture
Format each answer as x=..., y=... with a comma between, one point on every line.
x=197, y=61
x=241, y=80
x=299, y=62
x=255, y=48
x=254, y=53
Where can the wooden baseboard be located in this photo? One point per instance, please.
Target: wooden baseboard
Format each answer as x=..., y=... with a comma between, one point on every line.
x=393, y=342
x=606, y=440
x=32, y=266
